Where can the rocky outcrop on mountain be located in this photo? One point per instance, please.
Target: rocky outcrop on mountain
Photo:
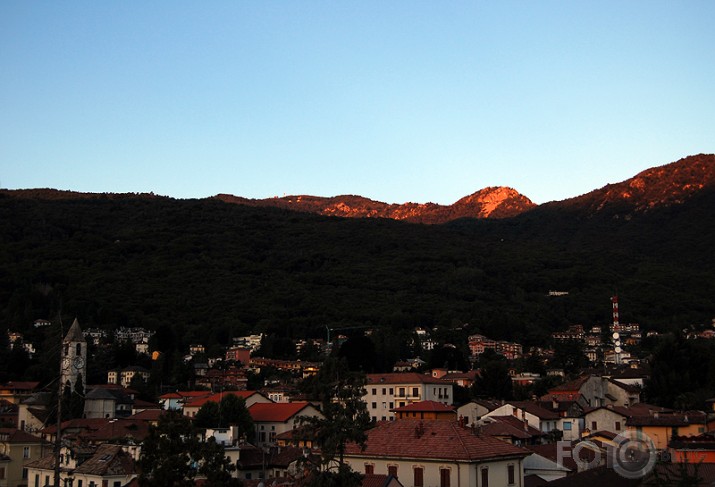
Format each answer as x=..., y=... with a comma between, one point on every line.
x=493, y=202
x=657, y=187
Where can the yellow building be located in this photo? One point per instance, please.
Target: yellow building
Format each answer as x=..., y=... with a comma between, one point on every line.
x=661, y=427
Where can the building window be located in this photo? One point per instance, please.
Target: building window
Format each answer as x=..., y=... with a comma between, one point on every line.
x=419, y=480
x=618, y=426
x=444, y=477
x=369, y=469
x=415, y=392
x=25, y=452
x=392, y=391
x=384, y=391
x=392, y=470
x=2, y=472
x=510, y=474
x=374, y=405
x=392, y=405
x=374, y=391
x=594, y=426
x=485, y=476
x=79, y=483
x=567, y=425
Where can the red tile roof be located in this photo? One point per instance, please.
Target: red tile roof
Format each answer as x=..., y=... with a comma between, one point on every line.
x=184, y=394
x=402, y=378
x=217, y=398
x=426, y=407
x=672, y=419
x=14, y=435
x=573, y=386
x=276, y=412
x=148, y=415
x=510, y=426
x=535, y=409
x=377, y=480
x=118, y=429
x=18, y=385
x=432, y=440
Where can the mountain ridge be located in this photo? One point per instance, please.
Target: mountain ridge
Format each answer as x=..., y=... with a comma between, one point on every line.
x=668, y=184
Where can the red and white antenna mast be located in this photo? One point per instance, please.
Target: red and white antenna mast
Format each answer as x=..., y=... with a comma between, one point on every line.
x=616, y=328
x=616, y=325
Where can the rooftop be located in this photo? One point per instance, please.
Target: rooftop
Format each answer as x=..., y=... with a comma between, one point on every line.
x=433, y=440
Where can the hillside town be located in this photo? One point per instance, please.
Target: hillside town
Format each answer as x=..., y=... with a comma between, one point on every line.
x=498, y=422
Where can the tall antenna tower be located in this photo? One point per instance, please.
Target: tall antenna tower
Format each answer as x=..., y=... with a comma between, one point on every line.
x=616, y=332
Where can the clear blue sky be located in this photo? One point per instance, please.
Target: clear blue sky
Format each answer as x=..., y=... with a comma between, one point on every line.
x=393, y=100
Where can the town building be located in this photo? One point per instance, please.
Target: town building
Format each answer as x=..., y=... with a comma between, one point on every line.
x=272, y=419
x=385, y=392
x=437, y=453
x=17, y=448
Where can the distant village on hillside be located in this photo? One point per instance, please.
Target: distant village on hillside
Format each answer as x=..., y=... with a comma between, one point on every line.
x=428, y=426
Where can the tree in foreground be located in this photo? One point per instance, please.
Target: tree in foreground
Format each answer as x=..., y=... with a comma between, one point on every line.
x=173, y=456
x=230, y=411
x=346, y=419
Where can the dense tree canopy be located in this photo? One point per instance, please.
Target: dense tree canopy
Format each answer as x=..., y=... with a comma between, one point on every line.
x=346, y=419
x=173, y=456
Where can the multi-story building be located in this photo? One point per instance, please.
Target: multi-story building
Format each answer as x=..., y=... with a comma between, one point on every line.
x=574, y=332
x=17, y=448
x=385, y=392
x=124, y=377
x=272, y=419
x=510, y=350
x=479, y=343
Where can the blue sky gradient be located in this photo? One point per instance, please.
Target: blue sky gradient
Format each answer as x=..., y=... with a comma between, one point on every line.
x=396, y=101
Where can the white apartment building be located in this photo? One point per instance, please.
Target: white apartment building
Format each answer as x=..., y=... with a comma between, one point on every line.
x=385, y=392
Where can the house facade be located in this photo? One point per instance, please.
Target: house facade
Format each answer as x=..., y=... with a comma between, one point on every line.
x=273, y=419
x=108, y=466
x=386, y=392
x=536, y=416
x=17, y=448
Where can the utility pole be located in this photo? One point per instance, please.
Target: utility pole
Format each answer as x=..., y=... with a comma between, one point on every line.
x=58, y=435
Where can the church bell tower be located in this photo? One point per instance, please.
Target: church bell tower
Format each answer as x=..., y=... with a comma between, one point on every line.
x=74, y=358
